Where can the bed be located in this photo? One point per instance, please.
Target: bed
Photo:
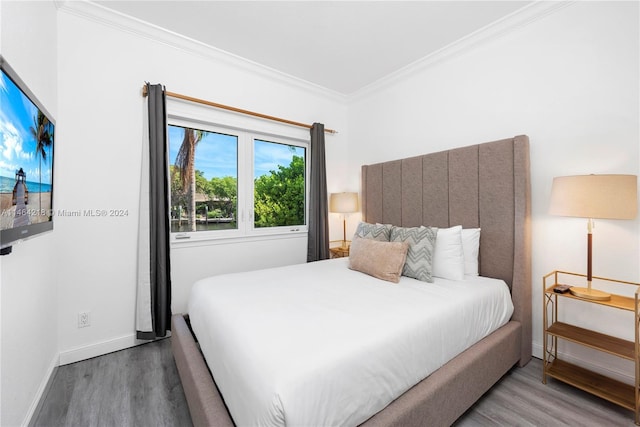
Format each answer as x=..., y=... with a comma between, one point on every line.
x=482, y=186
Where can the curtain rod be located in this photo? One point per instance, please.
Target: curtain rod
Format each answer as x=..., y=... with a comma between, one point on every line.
x=237, y=110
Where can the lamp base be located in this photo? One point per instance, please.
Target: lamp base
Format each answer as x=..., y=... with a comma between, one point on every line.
x=588, y=293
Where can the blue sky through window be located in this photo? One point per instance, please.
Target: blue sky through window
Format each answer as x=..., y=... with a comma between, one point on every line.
x=217, y=154
x=268, y=155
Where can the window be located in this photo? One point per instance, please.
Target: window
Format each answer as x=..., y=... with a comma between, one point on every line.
x=227, y=183
x=204, y=180
x=279, y=184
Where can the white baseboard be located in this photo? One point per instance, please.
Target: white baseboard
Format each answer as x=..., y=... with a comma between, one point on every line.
x=537, y=350
x=98, y=349
x=45, y=384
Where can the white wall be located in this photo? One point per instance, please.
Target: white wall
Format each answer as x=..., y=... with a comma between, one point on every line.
x=570, y=82
x=28, y=290
x=102, y=70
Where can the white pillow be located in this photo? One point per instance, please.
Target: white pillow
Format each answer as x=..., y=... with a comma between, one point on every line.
x=448, y=256
x=470, y=250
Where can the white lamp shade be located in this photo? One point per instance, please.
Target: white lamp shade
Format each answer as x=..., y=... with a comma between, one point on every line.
x=343, y=202
x=595, y=196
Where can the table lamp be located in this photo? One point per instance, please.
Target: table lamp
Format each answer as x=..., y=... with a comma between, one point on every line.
x=344, y=203
x=594, y=196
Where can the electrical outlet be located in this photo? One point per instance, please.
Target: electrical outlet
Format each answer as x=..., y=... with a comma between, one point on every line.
x=83, y=319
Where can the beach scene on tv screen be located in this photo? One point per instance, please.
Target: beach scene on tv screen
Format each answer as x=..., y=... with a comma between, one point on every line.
x=26, y=163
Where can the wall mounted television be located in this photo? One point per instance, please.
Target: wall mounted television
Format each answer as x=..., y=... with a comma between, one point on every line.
x=27, y=132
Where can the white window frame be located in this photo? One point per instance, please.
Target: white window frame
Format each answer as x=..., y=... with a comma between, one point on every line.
x=247, y=129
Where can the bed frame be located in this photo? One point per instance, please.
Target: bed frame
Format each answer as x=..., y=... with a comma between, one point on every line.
x=484, y=185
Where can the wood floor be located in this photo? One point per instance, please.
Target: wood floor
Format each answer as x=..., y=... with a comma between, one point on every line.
x=140, y=387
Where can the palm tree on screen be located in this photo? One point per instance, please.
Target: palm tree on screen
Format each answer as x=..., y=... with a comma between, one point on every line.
x=41, y=132
x=185, y=162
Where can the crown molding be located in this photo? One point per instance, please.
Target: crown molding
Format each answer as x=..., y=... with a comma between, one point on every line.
x=500, y=28
x=100, y=14
x=510, y=23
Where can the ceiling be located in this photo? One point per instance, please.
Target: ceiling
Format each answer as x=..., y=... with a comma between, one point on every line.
x=339, y=45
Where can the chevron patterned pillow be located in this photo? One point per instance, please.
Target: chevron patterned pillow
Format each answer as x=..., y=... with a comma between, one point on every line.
x=419, y=262
x=379, y=232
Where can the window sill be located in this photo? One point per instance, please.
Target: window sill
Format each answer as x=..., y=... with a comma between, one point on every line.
x=195, y=240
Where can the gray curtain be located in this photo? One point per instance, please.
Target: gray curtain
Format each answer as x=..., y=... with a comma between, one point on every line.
x=318, y=241
x=153, y=316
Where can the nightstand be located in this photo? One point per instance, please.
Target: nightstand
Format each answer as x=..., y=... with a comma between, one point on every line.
x=578, y=376
x=339, y=252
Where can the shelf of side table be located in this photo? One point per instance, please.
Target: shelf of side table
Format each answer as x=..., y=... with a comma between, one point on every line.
x=625, y=395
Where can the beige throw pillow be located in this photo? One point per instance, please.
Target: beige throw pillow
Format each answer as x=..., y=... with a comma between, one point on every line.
x=383, y=260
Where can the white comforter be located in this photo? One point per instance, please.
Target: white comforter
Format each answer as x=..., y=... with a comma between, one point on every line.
x=320, y=345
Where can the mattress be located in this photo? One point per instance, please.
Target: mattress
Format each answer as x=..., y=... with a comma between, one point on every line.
x=319, y=344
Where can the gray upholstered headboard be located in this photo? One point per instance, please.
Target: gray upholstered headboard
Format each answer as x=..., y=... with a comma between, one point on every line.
x=484, y=185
